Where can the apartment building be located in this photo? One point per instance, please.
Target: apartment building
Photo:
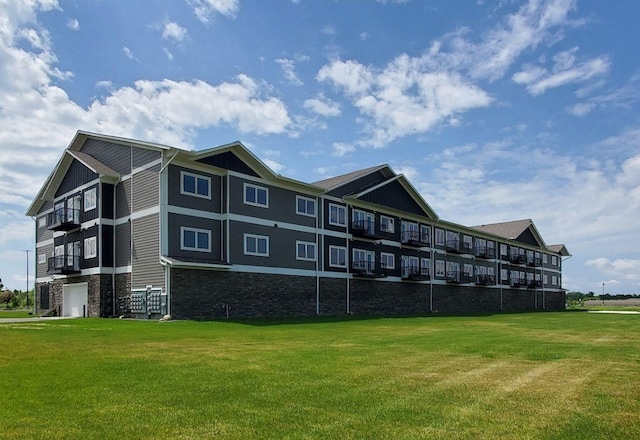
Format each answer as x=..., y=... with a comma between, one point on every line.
x=126, y=227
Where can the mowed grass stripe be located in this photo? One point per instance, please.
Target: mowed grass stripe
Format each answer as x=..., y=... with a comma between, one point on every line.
x=544, y=375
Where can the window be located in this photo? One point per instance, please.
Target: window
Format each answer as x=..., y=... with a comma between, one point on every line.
x=42, y=258
x=545, y=258
x=468, y=270
x=90, y=248
x=305, y=251
x=409, y=232
x=195, y=185
x=467, y=241
x=409, y=266
x=545, y=279
x=554, y=260
x=90, y=201
x=387, y=261
x=504, y=274
x=42, y=222
x=503, y=249
x=363, y=221
x=425, y=265
x=195, y=239
x=425, y=234
x=337, y=256
x=386, y=224
x=337, y=215
x=554, y=280
x=256, y=245
x=305, y=206
x=256, y=195
x=440, y=237
x=439, y=267
x=364, y=260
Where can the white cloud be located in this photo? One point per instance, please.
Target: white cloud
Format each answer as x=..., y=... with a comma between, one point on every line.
x=73, y=24
x=204, y=9
x=340, y=149
x=627, y=269
x=167, y=53
x=581, y=108
x=127, y=52
x=323, y=106
x=173, y=31
x=289, y=69
x=275, y=166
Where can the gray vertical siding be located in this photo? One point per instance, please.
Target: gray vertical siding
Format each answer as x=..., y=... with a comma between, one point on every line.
x=76, y=176
x=123, y=199
x=146, y=253
x=123, y=244
x=42, y=233
x=117, y=157
x=176, y=221
x=282, y=203
x=41, y=269
x=145, y=189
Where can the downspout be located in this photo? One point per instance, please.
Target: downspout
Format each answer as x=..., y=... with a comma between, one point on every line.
x=35, y=270
x=114, y=249
x=130, y=214
x=347, y=258
x=228, y=224
x=318, y=257
x=432, y=269
x=221, y=222
x=167, y=267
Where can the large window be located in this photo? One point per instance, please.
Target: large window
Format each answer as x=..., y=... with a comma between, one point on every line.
x=256, y=245
x=387, y=261
x=90, y=200
x=195, y=185
x=90, y=248
x=256, y=195
x=195, y=239
x=337, y=256
x=386, y=224
x=337, y=215
x=305, y=206
x=305, y=251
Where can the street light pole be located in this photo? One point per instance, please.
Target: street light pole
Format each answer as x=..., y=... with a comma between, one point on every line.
x=27, y=292
x=602, y=293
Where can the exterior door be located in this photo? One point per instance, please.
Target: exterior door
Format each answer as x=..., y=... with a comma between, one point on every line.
x=74, y=300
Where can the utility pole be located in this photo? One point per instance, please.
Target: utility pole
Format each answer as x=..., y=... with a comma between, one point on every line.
x=34, y=293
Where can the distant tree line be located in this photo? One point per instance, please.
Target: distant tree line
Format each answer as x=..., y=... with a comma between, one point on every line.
x=15, y=299
x=579, y=296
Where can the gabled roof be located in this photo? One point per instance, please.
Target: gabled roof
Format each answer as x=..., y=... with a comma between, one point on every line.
x=93, y=164
x=559, y=249
x=334, y=182
x=512, y=230
x=408, y=187
x=81, y=136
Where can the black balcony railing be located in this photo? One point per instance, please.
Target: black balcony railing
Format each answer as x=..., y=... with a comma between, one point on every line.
x=534, y=261
x=63, y=219
x=63, y=265
x=485, y=280
x=453, y=276
x=452, y=246
x=415, y=273
x=518, y=282
x=415, y=238
x=485, y=252
x=363, y=228
x=533, y=284
x=518, y=258
x=369, y=269
x=466, y=277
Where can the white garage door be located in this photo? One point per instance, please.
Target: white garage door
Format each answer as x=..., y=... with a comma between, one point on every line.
x=74, y=300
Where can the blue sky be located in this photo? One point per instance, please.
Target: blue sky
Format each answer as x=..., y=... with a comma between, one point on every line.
x=495, y=110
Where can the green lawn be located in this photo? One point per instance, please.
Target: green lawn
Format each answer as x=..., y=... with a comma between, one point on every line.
x=16, y=314
x=566, y=375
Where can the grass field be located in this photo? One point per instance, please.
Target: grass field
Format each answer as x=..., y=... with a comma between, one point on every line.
x=15, y=314
x=570, y=375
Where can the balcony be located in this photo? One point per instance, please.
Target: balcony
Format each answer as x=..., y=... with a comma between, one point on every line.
x=518, y=259
x=367, y=269
x=363, y=228
x=533, y=261
x=458, y=247
x=63, y=265
x=518, y=282
x=485, y=280
x=485, y=252
x=63, y=219
x=415, y=273
x=533, y=284
x=414, y=238
x=453, y=277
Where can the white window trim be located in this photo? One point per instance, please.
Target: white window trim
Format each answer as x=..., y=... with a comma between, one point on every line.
x=385, y=256
x=307, y=244
x=90, y=199
x=90, y=248
x=184, y=229
x=42, y=222
x=256, y=188
x=440, y=237
x=338, y=207
x=306, y=199
x=440, y=268
x=339, y=248
x=42, y=258
x=390, y=223
x=257, y=237
x=196, y=176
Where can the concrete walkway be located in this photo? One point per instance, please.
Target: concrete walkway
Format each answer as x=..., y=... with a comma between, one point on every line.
x=619, y=312
x=35, y=319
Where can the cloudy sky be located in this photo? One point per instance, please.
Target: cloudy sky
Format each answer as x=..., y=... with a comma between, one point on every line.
x=495, y=109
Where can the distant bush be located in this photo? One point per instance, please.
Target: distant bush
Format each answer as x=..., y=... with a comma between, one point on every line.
x=7, y=297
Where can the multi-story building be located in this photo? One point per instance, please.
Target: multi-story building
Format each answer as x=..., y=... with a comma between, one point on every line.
x=125, y=227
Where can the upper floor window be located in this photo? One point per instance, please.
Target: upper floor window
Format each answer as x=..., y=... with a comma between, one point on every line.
x=192, y=239
x=554, y=280
x=42, y=258
x=387, y=261
x=386, y=224
x=337, y=256
x=195, y=185
x=256, y=245
x=256, y=195
x=503, y=249
x=90, y=200
x=554, y=260
x=305, y=251
x=90, y=248
x=439, y=268
x=440, y=237
x=42, y=221
x=305, y=206
x=467, y=241
x=545, y=258
x=337, y=215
